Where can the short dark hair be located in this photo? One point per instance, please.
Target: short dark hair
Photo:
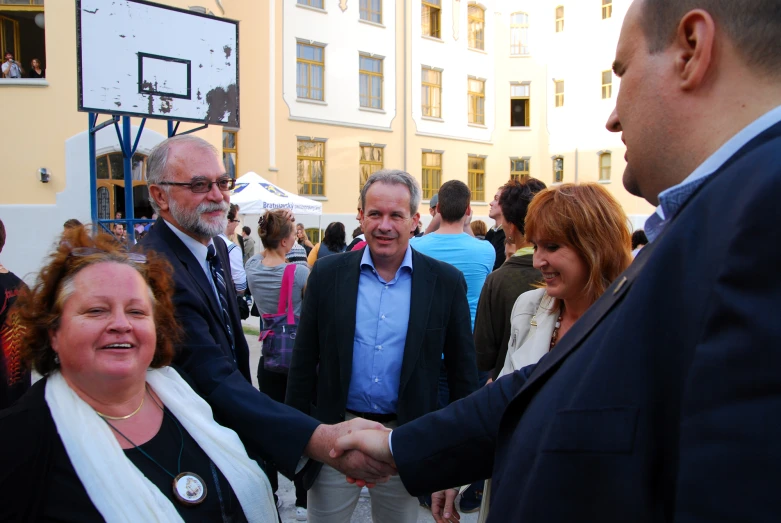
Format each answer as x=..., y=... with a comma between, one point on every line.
x=357, y=232
x=454, y=199
x=515, y=199
x=232, y=211
x=246, y=230
x=2, y=235
x=334, y=237
x=753, y=27
x=639, y=238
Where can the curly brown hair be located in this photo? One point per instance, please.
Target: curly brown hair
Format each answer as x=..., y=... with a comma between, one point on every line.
x=40, y=308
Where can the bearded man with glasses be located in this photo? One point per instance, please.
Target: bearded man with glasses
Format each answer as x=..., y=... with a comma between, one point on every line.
x=189, y=190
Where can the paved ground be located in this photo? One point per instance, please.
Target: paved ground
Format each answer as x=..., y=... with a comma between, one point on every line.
x=286, y=492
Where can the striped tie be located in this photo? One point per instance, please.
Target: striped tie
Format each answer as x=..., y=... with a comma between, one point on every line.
x=222, y=291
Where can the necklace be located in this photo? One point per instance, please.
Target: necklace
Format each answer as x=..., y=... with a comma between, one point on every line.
x=189, y=488
x=555, y=332
x=117, y=418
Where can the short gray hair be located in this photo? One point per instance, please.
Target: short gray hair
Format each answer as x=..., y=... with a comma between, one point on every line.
x=395, y=177
x=753, y=27
x=157, y=162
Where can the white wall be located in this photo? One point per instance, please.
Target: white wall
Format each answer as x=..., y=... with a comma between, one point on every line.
x=458, y=62
x=34, y=230
x=345, y=35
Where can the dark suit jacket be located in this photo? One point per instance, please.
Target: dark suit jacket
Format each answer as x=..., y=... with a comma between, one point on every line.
x=663, y=402
x=439, y=324
x=274, y=431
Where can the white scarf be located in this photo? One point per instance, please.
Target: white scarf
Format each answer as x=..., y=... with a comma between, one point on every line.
x=117, y=488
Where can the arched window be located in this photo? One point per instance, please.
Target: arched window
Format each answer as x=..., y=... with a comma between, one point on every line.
x=476, y=27
x=111, y=186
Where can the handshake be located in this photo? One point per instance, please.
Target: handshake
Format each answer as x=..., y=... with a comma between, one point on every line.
x=360, y=449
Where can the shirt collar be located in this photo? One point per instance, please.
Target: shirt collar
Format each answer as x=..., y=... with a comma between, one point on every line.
x=198, y=249
x=366, y=260
x=673, y=198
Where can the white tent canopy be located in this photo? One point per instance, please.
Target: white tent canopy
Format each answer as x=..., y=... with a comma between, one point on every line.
x=254, y=195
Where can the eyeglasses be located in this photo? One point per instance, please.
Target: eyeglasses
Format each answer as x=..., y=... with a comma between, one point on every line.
x=204, y=186
x=80, y=252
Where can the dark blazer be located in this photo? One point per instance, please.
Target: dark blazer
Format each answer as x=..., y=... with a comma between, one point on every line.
x=439, y=324
x=492, y=322
x=274, y=431
x=663, y=401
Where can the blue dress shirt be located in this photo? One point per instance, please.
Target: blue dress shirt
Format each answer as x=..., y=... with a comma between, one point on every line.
x=381, y=320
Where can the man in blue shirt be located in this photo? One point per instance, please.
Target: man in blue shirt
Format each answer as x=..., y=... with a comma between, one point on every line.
x=375, y=325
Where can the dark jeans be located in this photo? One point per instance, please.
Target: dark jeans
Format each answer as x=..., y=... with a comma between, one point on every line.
x=274, y=385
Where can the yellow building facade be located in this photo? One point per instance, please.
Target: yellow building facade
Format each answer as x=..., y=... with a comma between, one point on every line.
x=331, y=90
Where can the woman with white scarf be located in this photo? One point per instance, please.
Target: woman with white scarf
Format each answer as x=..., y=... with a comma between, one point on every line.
x=111, y=432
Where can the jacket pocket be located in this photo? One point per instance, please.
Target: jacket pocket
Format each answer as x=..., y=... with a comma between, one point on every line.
x=609, y=430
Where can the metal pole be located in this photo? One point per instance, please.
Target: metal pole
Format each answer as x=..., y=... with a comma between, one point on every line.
x=127, y=153
x=93, y=172
x=170, y=128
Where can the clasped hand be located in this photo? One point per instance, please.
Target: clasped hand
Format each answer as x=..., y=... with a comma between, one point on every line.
x=341, y=446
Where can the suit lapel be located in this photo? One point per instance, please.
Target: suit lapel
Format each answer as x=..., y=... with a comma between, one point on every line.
x=421, y=296
x=345, y=302
x=191, y=265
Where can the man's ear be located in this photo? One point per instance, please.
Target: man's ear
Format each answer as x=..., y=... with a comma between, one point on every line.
x=415, y=221
x=160, y=197
x=694, y=48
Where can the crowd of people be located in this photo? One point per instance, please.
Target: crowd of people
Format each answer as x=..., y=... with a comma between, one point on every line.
x=589, y=374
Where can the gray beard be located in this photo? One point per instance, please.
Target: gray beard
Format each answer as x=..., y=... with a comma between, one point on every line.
x=192, y=222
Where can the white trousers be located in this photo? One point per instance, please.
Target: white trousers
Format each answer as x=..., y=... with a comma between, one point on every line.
x=332, y=500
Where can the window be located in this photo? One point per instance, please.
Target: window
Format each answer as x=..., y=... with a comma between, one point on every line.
x=519, y=169
x=476, y=94
x=558, y=169
x=432, y=174
x=313, y=233
x=607, y=9
x=22, y=34
x=310, y=71
x=519, y=105
x=605, y=161
x=476, y=27
x=311, y=167
x=431, y=96
x=430, y=18
x=560, y=19
x=607, y=84
x=559, y=93
x=371, y=10
x=477, y=178
x=312, y=3
x=519, y=34
x=110, y=176
x=370, y=70
x=230, y=152
x=371, y=161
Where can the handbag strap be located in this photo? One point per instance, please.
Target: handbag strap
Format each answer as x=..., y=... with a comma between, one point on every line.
x=286, y=292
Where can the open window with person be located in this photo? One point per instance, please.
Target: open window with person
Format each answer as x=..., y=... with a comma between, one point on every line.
x=22, y=39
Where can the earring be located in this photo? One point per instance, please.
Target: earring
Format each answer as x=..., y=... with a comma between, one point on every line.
x=56, y=359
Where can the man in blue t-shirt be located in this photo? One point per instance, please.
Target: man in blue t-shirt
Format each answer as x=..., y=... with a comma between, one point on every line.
x=450, y=244
x=475, y=259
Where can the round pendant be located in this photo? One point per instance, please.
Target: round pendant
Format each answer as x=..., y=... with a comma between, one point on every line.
x=189, y=488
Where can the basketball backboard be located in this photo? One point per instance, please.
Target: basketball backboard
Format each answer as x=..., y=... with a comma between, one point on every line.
x=144, y=59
